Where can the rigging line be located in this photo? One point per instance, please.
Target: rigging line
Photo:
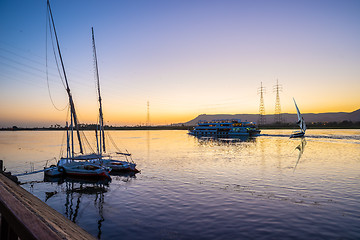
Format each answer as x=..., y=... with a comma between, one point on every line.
x=63, y=137
x=54, y=51
x=47, y=73
x=37, y=162
x=112, y=141
x=74, y=117
x=87, y=142
x=84, y=138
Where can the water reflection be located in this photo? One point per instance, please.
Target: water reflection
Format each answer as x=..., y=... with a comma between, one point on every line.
x=96, y=189
x=224, y=141
x=76, y=189
x=301, y=148
x=239, y=189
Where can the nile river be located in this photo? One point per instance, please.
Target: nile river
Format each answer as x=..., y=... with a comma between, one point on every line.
x=269, y=187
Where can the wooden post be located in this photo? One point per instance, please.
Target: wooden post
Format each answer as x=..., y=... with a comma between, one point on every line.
x=1, y=165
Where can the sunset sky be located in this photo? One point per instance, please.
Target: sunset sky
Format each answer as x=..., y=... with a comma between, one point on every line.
x=185, y=57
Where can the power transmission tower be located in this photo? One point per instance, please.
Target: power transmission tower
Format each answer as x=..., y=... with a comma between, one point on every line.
x=148, y=114
x=262, y=118
x=278, y=117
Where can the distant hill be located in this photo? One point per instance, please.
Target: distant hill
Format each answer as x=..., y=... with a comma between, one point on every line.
x=288, y=118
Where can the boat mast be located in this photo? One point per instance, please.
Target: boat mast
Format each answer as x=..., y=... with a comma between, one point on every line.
x=67, y=142
x=72, y=106
x=101, y=118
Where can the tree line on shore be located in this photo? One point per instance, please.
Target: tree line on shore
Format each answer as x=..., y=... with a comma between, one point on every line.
x=312, y=125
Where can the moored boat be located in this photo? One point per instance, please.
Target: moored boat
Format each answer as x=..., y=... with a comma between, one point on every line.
x=73, y=164
x=225, y=128
x=84, y=170
x=108, y=160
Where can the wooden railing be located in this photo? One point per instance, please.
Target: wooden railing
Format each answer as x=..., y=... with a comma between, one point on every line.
x=24, y=216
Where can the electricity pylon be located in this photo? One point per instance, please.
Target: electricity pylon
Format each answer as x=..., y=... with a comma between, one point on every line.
x=262, y=118
x=277, y=89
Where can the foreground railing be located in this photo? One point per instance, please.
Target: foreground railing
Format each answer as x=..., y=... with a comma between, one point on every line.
x=25, y=216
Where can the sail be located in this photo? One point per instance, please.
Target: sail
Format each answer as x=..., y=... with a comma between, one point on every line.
x=300, y=121
x=303, y=128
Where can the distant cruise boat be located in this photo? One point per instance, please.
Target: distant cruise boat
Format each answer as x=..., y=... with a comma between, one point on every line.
x=225, y=128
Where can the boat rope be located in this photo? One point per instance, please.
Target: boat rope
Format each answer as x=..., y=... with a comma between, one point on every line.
x=84, y=138
x=32, y=167
x=63, y=140
x=87, y=142
x=47, y=72
x=31, y=182
x=28, y=173
x=112, y=141
x=126, y=155
x=32, y=162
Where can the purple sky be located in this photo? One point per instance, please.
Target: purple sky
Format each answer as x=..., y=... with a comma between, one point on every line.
x=185, y=57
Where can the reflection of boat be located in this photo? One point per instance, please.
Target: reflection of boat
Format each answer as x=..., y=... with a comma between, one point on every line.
x=228, y=128
x=108, y=160
x=78, y=191
x=216, y=141
x=301, y=123
x=72, y=165
x=301, y=148
x=62, y=179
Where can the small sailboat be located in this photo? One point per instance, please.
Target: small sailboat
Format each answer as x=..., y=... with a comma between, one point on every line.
x=75, y=165
x=301, y=123
x=107, y=160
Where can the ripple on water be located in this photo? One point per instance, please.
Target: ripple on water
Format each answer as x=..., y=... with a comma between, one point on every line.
x=195, y=189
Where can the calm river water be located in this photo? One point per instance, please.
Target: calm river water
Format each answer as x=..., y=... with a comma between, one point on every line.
x=269, y=187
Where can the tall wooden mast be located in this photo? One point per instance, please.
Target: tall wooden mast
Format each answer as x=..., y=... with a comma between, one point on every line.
x=71, y=102
x=101, y=117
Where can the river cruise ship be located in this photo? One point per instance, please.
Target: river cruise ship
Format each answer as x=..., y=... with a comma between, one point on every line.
x=225, y=128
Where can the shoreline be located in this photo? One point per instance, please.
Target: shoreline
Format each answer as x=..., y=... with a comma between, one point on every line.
x=137, y=128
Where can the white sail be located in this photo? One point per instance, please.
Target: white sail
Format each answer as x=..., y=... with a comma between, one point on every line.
x=300, y=121
x=304, y=126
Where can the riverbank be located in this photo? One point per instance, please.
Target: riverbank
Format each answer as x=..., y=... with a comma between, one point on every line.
x=346, y=125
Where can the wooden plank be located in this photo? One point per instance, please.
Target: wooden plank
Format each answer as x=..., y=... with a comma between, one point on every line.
x=33, y=219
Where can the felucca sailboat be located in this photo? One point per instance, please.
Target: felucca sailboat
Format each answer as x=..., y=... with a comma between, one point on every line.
x=104, y=159
x=301, y=123
x=76, y=165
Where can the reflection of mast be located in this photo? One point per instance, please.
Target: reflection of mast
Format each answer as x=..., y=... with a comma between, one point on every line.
x=100, y=197
x=301, y=148
x=277, y=88
x=262, y=119
x=96, y=188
